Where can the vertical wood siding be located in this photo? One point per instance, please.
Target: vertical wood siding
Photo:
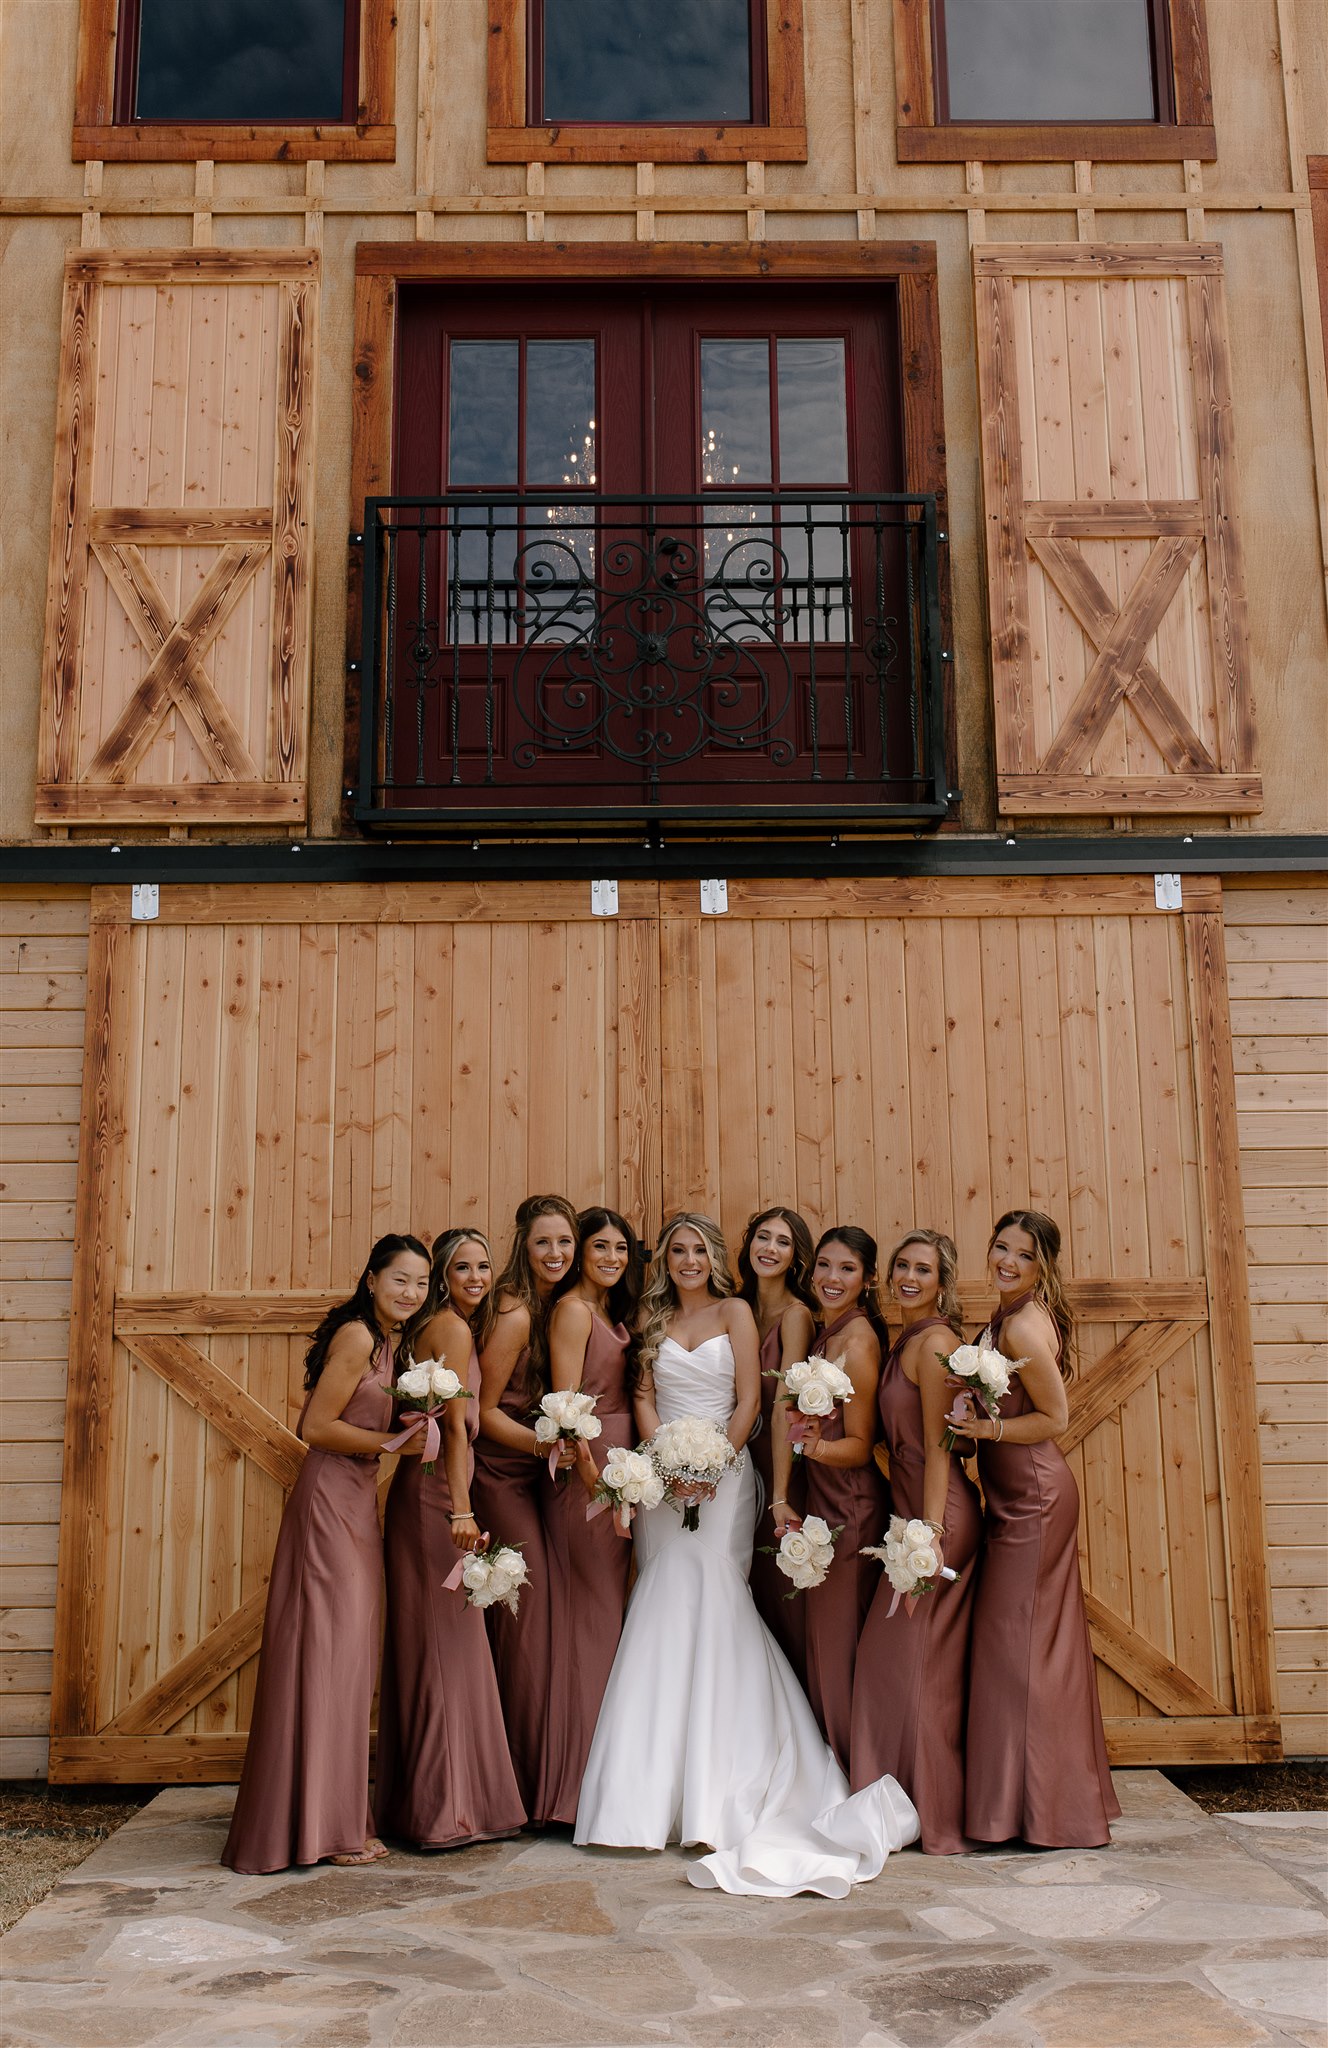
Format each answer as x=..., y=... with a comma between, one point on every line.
x=43, y=985
x=1277, y=945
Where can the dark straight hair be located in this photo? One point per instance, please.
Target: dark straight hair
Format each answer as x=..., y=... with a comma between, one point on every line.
x=866, y=1250
x=798, y=1278
x=623, y=1295
x=360, y=1308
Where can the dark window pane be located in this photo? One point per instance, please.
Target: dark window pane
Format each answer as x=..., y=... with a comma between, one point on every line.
x=482, y=414
x=1048, y=60
x=560, y=413
x=635, y=60
x=735, y=413
x=241, y=60
x=813, y=412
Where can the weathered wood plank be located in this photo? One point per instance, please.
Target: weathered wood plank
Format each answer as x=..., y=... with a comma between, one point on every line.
x=67, y=579
x=220, y=1401
x=1004, y=497
x=1103, y=795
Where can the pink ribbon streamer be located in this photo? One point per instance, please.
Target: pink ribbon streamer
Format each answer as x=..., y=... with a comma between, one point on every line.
x=797, y=1431
x=453, y=1579
x=622, y=1515
x=433, y=1442
x=909, y=1600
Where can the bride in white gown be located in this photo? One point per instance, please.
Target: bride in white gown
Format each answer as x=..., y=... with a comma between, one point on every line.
x=705, y=1735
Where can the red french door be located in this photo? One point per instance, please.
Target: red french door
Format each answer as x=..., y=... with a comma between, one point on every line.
x=637, y=576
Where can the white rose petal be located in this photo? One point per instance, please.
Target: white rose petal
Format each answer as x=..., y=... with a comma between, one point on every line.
x=546, y=1429
x=796, y=1546
x=445, y=1383
x=925, y=1562
x=816, y=1399
x=415, y=1382
x=817, y=1529
x=917, y=1532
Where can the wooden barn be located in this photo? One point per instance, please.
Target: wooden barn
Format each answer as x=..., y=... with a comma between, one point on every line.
x=703, y=606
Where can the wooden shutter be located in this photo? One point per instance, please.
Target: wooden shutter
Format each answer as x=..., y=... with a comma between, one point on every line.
x=175, y=681
x=1119, y=642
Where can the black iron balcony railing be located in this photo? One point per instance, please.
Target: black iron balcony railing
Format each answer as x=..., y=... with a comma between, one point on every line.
x=771, y=658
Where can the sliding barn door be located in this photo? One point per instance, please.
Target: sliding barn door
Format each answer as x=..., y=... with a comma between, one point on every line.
x=892, y=1053
x=274, y=1078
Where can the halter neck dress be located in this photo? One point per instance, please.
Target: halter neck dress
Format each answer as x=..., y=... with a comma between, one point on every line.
x=1036, y=1756
x=589, y=1568
x=859, y=1499
x=304, y=1788
x=910, y=1685
x=786, y=1619
x=443, y=1773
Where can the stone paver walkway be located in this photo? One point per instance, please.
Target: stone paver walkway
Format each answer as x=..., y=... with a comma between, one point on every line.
x=1191, y=1932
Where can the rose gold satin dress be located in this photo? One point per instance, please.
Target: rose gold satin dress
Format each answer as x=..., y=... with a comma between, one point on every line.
x=786, y=1619
x=859, y=1499
x=910, y=1686
x=1036, y=1756
x=443, y=1773
x=304, y=1789
x=589, y=1564
x=509, y=1493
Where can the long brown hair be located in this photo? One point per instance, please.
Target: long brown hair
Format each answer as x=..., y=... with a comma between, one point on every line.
x=517, y=1281
x=659, y=1299
x=1049, y=1287
x=947, y=1268
x=798, y=1278
x=865, y=1249
x=445, y=1249
x=360, y=1308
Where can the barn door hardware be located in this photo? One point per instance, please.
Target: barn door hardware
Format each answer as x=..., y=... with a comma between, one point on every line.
x=144, y=900
x=604, y=899
x=1166, y=892
x=714, y=898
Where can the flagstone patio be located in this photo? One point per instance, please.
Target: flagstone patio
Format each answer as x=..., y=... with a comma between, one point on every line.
x=1192, y=1931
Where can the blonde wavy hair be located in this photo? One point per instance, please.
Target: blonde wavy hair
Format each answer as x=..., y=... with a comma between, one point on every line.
x=445, y=1249
x=1049, y=1287
x=947, y=1268
x=659, y=1297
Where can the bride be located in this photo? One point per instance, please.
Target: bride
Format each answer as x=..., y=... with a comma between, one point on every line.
x=705, y=1735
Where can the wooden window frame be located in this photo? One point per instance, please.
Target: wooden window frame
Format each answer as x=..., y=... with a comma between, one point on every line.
x=380, y=267
x=781, y=138
x=1318, y=179
x=921, y=138
x=371, y=138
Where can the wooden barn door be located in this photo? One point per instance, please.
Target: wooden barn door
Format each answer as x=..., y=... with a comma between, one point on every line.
x=896, y=1052
x=274, y=1078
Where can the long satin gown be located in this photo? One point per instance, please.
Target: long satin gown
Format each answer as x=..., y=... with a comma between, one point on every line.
x=443, y=1773
x=509, y=1494
x=705, y=1734
x=1036, y=1756
x=304, y=1789
x=786, y=1619
x=859, y=1499
x=910, y=1685
x=589, y=1567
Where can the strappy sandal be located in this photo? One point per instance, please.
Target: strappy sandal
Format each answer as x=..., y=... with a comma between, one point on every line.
x=372, y=1852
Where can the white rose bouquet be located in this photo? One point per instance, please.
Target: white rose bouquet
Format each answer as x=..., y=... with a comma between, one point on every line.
x=986, y=1377
x=813, y=1386
x=427, y=1387
x=563, y=1418
x=805, y=1555
x=691, y=1454
x=911, y=1563
x=490, y=1576
x=629, y=1481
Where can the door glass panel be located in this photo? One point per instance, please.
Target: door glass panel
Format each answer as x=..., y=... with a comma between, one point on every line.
x=813, y=411
x=633, y=60
x=483, y=416
x=560, y=413
x=1048, y=60
x=735, y=413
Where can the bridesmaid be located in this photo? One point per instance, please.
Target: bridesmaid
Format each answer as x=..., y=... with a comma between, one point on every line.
x=443, y=1773
x=774, y=1268
x=304, y=1789
x=506, y=1493
x=589, y=1563
x=910, y=1687
x=1036, y=1758
x=844, y=1483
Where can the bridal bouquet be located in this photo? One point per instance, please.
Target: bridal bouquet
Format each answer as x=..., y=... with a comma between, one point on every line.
x=691, y=1452
x=563, y=1418
x=911, y=1564
x=629, y=1481
x=427, y=1387
x=813, y=1386
x=490, y=1576
x=986, y=1377
x=805, y=1555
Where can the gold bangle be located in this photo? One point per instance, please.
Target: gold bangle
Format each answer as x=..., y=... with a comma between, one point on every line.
x=1000, y=1429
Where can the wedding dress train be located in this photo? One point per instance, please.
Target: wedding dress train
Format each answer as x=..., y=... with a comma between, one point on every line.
x=705, y=1735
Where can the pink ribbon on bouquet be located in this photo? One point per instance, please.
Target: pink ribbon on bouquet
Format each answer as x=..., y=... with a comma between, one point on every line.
x=453, y=1579
x=797, y=1430
x=910, y=1601
x=433, y=1442
x=622, y=1515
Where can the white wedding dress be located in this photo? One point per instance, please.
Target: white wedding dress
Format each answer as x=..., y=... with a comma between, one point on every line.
x=705, y=1734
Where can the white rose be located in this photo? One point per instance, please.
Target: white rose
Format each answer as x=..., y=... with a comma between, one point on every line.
x=796, y=1546
x=445, y=1383
x=797, y=1376
x=807, y=1576
x=964, y=1360
x=591, y=1426
x=925, y=1562
x=415, y=1382
x=899, y=1575
x=816, y=1398
x=501, y=1582
x=513, y=1562
x=817, y=1530
x=838, y=1381
x=917, y=1532
x=475, y=1574
x=546, y=1429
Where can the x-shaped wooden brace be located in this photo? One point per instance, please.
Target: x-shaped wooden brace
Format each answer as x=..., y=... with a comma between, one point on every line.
x=175, y=675
x=1120, y=670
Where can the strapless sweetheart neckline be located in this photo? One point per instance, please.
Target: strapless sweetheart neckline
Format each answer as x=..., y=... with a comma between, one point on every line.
x=690, y=1350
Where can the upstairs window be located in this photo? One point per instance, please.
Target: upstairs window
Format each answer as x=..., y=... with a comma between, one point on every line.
x=162, y=81
x=1051, y=80
x=627, y=81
